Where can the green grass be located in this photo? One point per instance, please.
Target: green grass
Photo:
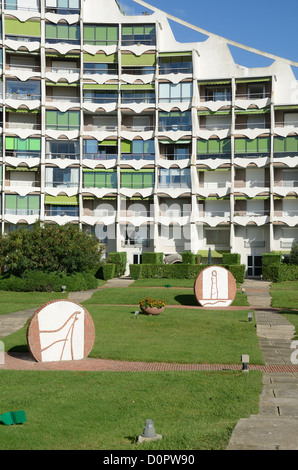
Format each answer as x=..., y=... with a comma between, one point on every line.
x=132, y=296
x=163, y=282
x=284, y=294
x=107, y=411
x=177, y=335
x=15, y=301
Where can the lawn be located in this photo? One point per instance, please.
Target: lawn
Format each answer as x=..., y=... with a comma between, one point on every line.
x=107, y=410
x=284, y=294
x=177, y=335
x=132, y=295
x=15, y=301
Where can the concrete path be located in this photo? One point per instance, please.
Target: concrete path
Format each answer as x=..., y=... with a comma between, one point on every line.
x=275, y=427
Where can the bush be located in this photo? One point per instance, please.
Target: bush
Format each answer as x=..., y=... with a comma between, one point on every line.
x=231, y=258
x=271, y=261
x=152, y=258
x=109, y=271
x=178, y=271
x=51, y=248
x=39, y=281
x=293, y=258
x=118, y=258
x=189, y=258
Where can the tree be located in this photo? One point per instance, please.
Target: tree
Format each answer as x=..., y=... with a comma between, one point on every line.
x=293, y=258
x=50, y=248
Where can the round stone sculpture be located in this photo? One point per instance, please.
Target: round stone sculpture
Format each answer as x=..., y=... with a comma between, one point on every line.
x=215, y=287
x=60, y=330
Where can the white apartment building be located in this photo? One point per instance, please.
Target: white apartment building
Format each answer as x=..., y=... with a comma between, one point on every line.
x=153, y=145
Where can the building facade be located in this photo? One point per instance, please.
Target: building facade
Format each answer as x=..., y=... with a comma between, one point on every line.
x=153, y=145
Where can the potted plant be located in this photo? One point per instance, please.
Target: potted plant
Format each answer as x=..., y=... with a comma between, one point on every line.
x=151, y=306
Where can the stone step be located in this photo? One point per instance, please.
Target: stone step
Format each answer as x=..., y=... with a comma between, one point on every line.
x=262, y=432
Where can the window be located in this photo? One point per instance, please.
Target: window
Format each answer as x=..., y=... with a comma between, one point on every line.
x=21, y=205
x=100, y=96
x=69, y=120
x=139, y=150
x=63, y=149
x=62, y=32
x=104, y=150
x=29, y=90
x=177, y=152
x=218, y=237
x=138, y=34
x=137, y=179
x=261, y=145
x=174, y=177
x=218, y=94
x=175, y=65
x=63, y=7
x=93, y=68
x=101, y=35
x=171, y=93
x=31, y=5
x=22, y=148
x=256, y=91
x=138, y=96
x=56, y=177
x=175, y=121
x=100, y=179
x=70, y=211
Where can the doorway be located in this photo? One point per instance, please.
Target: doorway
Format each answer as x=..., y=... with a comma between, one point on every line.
x=254, y=266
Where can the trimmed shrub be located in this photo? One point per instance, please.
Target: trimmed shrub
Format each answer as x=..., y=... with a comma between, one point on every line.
x=293, y=258
x=231, y=258
x=271, y=260
x=152, y=258
x=178, y=271
x=189, y=258
x=118, y=258
x=39, y=281
x=109, y=271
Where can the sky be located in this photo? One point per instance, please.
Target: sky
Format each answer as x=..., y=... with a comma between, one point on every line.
x=268, y=25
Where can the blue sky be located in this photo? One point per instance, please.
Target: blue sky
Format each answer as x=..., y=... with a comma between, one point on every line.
x=268, y=25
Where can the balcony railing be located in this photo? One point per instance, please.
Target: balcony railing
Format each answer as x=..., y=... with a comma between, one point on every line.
x=252, y=184
x=252, y=213
x=23, y=68
x=174, y=127
x=133, y=213
x=213, y=156
x=252, y=96
x=137, y=128
x=138, y=156
x=63, y=41
x=22, y=154
x=286, y=213
x=286, y=124
x=70, y=156
x=172, y=185
x=171, y=156
x=23, y=125
x=67, y=211
x=142, y=70
x=63, y=11
x=22, y=38
x=22, y=96
x=62, y=184
x=136, y=242
x=22, y=211
x=255, y=125
x=254, y=244
x=216, y=214
x=165, y=69
x=100, y=156
x=30, y=184
x=216, y=97
x=69, y=99
x=62, y=70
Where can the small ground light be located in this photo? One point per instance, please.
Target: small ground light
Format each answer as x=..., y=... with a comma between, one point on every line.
x=250, y=315
x=63, y=288
x=149, y=433
x=136, y=313
x=245, y=361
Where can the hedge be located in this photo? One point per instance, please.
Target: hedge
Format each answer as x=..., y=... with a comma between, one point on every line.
x=231, y=258
x=271, y=262
x=109, y=271
x=152, y=258
x=39, y=281
x=284, y=272
x=118, y=258
x=189, y=258
x=179, y=271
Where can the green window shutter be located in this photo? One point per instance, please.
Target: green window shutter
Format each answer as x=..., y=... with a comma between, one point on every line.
x=88, y=180
x=264, y=144
x=89, y=33
x=74, y=119
x=126, y=180
x=34, y=202
x=100, y=58
x=240, y=145
x=137, y=180
x=22, y=144
x=202, y=146
x=111, y=180
x=51, y=31
x=62, y=120
x=100, y=180
x=51, y=118
x=148, y=180
x=73, y=32
x=9, y=143
x=62, y=31
x=101, y=33
x=112, y=34
x=34, y=144
x=252, y=145
x=28, y=28
x=22, y=202
x=10, y=201
x=213, y=145
x=279, y=144
x=291, y=144
x=127, y=30
x=126, y=146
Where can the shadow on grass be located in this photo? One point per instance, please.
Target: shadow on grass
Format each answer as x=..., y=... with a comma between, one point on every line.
x=186, y=299
x=21, y=348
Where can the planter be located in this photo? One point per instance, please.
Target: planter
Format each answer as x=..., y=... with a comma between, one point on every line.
x=152, y=310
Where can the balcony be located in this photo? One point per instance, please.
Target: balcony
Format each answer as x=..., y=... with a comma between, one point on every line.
x=100, y=156
x=22, y=68
x=184, y=68
x=62, y=211
x=141, y=70
x=22, y=212
x=61, y=184
x=137, y=242
x=62, y=156
x=137, y=156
